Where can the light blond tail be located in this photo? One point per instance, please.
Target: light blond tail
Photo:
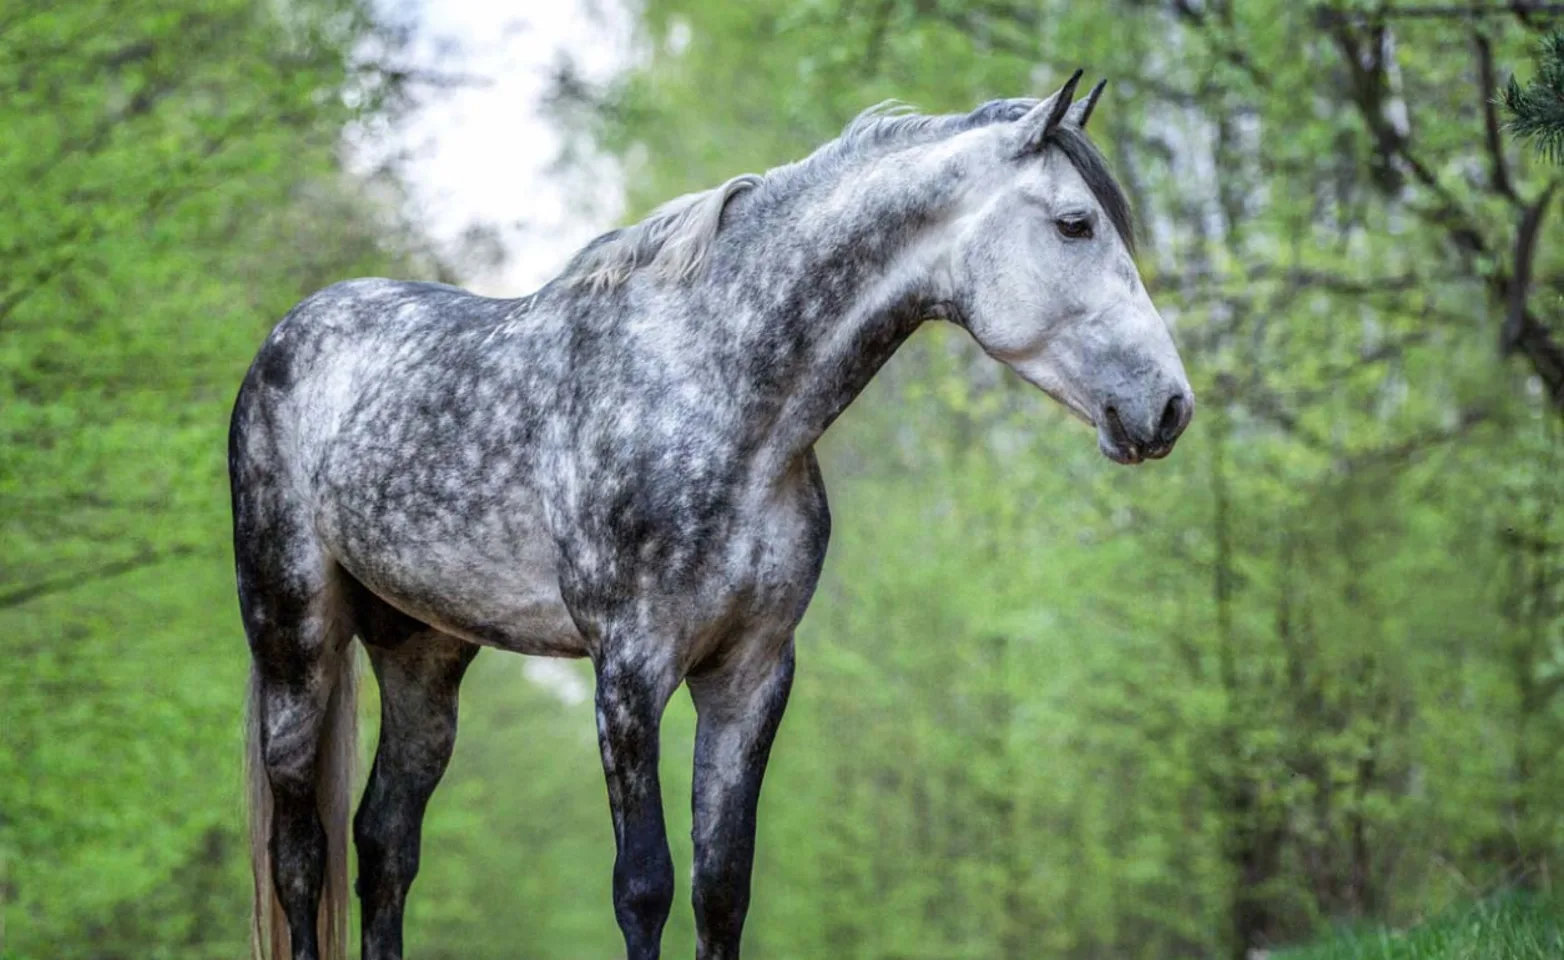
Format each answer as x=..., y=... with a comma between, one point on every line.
x=335, y=776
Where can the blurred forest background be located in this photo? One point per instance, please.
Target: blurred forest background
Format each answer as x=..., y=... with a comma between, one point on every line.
x=1307, y=672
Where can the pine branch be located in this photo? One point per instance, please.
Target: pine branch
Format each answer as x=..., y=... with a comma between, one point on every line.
x=1537, y=109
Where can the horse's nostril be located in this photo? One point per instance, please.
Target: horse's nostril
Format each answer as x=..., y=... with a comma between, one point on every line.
x=1169, y=427
x=1115, y=425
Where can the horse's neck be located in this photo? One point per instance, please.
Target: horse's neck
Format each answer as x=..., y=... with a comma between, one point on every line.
x=859, y=283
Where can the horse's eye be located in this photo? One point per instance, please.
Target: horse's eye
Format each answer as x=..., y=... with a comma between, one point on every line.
x=1074, y=228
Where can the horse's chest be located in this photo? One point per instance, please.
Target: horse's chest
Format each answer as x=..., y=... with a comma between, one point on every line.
x=773, y=562
x=701, y=568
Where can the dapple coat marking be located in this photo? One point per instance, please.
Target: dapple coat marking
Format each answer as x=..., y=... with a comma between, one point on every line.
x=620, y=466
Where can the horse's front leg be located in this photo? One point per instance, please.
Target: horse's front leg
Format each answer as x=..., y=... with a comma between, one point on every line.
x=739, y=708
x=631, y=696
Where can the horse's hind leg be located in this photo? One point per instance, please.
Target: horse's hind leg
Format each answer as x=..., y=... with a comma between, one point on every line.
x=303, y=735
x=419, y=671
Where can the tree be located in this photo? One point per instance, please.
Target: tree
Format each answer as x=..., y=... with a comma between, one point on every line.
x=1231, y=682
x=169, y=186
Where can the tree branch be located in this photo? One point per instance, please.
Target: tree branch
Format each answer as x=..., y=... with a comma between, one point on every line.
x=1525, y=253
x=1197, y=17
x=1298, y=277
x=1498, y=166
x=18, y=596
x=1397, y=452
x=1522, y=331
x=1521, y=9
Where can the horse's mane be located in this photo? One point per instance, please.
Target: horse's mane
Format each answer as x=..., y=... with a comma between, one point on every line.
x=674, y=240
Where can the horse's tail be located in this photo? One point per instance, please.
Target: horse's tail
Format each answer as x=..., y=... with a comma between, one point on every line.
x=335, y=775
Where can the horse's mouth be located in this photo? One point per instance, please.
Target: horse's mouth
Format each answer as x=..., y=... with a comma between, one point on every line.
x=1128, y=455
x=1115, y=443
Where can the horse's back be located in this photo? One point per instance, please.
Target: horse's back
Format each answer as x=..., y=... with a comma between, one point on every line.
x=351, y=315
x=337, y=351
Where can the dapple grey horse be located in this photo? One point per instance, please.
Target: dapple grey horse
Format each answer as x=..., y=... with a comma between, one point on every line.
x=620, y=467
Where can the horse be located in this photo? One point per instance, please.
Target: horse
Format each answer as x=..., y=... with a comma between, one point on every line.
x=620, y=467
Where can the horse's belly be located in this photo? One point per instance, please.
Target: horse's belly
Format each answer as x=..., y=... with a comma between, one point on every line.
x=522, y=617
x=542, y=628
x=492, y=584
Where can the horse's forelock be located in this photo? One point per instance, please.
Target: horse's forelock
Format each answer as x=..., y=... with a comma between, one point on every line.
x=892, y=123
x=1093, y=168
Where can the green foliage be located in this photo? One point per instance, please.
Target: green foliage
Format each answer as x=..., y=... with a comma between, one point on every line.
x=1537, y=109
x=168, y=188
x=1301, y=671
x=1307, y=672
x=1511, y=928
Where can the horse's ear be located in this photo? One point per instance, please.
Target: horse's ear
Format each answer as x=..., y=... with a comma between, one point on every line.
x=1033, y=128
x=1081, y=110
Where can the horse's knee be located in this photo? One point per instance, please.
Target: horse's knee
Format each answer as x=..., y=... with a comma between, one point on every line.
x=290, y=747
x=643, y=880
x=643, y=893
x=291, y=774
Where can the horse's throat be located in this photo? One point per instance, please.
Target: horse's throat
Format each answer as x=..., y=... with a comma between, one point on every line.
x=849, y=339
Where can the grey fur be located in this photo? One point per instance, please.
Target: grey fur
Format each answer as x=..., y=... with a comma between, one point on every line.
x=620, y=466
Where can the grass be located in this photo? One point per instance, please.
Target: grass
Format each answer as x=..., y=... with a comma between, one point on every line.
x=1515, y=927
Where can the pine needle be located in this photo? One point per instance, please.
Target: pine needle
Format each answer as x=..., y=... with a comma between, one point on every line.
x=1537, y=109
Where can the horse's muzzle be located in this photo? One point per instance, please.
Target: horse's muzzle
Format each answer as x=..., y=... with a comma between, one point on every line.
x=1136, y=439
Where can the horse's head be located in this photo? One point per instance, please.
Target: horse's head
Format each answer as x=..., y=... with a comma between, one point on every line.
x=1046, y=281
